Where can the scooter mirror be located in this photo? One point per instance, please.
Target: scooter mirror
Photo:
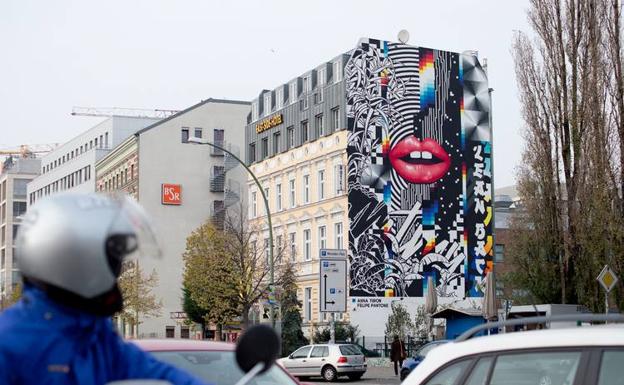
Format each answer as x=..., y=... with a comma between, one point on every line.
x=259, y=344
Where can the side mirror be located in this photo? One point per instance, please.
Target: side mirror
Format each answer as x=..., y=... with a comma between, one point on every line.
x=290, y=356
x=256, y=351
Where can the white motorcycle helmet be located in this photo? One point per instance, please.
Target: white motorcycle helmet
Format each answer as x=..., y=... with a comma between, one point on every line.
x=72, y=246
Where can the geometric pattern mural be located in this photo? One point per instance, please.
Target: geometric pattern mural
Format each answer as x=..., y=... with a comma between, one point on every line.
x=419, y=171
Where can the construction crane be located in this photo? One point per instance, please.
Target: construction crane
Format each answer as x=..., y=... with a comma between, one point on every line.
x=28, y=150
x=125, y=112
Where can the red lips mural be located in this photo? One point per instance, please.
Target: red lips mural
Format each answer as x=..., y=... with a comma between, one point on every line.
x=419, y=161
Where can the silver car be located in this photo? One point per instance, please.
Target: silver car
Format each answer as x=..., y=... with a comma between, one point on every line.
x=327, y=360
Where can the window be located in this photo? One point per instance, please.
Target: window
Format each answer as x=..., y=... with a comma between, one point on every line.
x=339, y=179
x=292, y=200
x=304, y=131
x=480, y=372
x=198, y=132
x=306, y=189
x=304, y=351
x=499, y=253
x=96, y=144
x=319, y=352
x=265, y=147
x=254, y=211
x=184, y=332
x=185, y=134
x=337, y=67
x=307, y=247
x=293, y=246
x=318, y=122
x=535, y=368
x=308, y=305
x=252, y=152
x=106, y=139
x=450, y=374
x=101, y=141
x=322, y=237
x=321, y=76
x=307, y=84
x=290, y=137
x=19, y=208
x=318, y=97
x=335, y=119
x=611, y=368
x=19, y=188
x=170, y=331
x=279, y=98
x=267, y=103
x=293, y=92
x=254, y=110
x=321, y=184
x=276, y=142
x=218, y=137
x=278, y=197
x=338, y=235
x=303, y=103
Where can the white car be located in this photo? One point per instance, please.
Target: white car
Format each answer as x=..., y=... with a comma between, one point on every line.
x=329, y=361
x=591, y=355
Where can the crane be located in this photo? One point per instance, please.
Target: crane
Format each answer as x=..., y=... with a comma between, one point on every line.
x=28, y=150
x=127, y=112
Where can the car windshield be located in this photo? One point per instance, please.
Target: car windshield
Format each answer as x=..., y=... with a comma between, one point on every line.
x=350, y=350
x=427, y=348
x=220, y=368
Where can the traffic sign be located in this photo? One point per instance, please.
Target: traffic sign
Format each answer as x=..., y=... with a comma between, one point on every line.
x=333, y=281
x=607, y=278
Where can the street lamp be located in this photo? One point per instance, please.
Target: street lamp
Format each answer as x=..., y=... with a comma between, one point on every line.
x=196, y=140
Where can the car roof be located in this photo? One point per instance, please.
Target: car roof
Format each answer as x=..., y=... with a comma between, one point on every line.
x=167, y=345
x=548, y=338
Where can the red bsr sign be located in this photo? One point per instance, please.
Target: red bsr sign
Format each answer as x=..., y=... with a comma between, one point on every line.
x=171, y=194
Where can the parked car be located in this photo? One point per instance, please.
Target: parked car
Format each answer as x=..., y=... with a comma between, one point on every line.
x=410, y=363
x=213, y=362
x=329, y=361
x=588, y=355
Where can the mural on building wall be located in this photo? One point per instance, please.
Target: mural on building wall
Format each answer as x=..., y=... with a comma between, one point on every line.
x=419, y=171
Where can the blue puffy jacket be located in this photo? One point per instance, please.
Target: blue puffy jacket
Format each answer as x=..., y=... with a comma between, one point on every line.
x=42, y=342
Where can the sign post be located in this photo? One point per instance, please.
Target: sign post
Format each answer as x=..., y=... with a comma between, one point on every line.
x=607, y=279
x=332, y=285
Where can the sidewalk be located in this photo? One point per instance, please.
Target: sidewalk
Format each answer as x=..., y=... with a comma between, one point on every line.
x=384, y=374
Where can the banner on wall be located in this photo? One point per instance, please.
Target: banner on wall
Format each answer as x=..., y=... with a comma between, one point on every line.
x=419, y=171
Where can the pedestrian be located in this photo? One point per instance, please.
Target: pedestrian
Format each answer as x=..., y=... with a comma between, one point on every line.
x=397, y=354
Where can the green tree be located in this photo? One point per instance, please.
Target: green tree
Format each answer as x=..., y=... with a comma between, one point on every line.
x=399, y=322
x=139, y=300
x=292, y=333
x=344, y=332
x=210, y=274
x=194, y=312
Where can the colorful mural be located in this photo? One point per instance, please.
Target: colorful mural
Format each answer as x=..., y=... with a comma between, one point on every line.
x=420, y=197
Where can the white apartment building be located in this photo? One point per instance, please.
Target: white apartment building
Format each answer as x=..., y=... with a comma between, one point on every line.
x=15, y=173
x=181, y=186
x=71, y=166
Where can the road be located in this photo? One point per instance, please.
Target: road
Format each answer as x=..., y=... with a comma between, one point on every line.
x=374, y=375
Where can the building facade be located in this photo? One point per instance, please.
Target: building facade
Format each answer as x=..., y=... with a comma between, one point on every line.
x=71, y=166
x=296, y=145
x=15, y=174
x=181, y=185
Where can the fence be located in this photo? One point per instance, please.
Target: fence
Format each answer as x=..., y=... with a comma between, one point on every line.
x=376, y=346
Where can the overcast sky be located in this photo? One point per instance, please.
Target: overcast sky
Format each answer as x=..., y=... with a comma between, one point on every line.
x=171, y=54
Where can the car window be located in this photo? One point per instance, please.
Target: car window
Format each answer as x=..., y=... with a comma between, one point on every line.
x=302, y=352
x=552, y=368
x=320, y=351
x=350, y=350
x=449, y=375
x=426, y=349
x=480, y=372
x=220, y=368
x=611, y=368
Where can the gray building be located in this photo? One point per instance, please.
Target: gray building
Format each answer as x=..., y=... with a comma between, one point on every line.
x=15, y=174
x=302, y=110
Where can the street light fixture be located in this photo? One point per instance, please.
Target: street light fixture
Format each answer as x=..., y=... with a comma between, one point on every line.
x=195, y=140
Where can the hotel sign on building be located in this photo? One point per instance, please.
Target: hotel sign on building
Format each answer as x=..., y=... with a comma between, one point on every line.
x=268, y=123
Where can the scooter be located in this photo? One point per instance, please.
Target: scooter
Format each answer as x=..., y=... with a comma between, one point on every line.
x=256, y=352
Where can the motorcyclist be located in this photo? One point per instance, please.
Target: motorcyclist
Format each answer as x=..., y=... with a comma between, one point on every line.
x=70, y=249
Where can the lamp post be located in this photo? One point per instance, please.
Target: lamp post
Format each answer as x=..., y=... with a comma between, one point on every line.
x=195, y=140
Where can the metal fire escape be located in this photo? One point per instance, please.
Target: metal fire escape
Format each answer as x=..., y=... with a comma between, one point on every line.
x=219, y=182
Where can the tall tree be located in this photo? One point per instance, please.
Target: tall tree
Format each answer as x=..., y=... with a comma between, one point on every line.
x=570, y=180
x=139, y=300
x=292, y=332
x=194, y=312
x=209, y=274
x=399, y=322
